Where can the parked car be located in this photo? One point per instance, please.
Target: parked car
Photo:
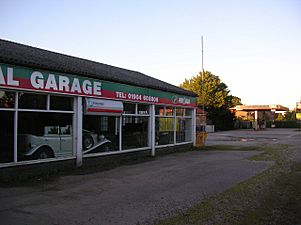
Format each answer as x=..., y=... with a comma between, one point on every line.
x=57, y=141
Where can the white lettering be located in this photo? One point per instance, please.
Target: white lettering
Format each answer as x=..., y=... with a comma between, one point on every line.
x=36, y=80
x=64, y=83
x=10, y=78
x=51, y=83
x=2, y=81
x=59, y=83
x=184, y=101
x=134, y=96
x=87, y=87
x=121, y=95
x=76, y=86
x=150, y=98
x=97, y=88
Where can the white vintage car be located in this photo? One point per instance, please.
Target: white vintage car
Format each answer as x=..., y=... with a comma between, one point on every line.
x=57, y=141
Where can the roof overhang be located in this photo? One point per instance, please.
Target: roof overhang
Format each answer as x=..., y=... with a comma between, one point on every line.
x=260, y=108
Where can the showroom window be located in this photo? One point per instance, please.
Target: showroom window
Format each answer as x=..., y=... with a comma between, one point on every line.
x=183, y=125
x=164, y=125
x=44, y=135
x=135, y=126
x=173, y=125
x=6, y=136
x=42, y=124
x=100, y=133
x=7, y=114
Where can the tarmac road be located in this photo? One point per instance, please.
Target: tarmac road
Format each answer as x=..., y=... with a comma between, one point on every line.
x=141, y=193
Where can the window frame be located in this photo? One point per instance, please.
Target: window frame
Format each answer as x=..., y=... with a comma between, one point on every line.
x=47, y=109
x=175, y=116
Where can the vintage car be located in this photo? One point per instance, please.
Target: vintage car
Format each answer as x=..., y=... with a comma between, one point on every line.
x=57, y=141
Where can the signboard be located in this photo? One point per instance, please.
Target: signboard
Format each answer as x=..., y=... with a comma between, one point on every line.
x=100, y=107
x=21, y=78
x=298, y=116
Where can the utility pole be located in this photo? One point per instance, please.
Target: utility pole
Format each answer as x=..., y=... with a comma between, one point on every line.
x=298, y=107
x=203, y=97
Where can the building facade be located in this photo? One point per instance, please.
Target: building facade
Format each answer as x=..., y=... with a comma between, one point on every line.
x=57, y=107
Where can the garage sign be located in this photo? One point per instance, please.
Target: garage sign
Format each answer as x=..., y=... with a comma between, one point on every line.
x=22, y=78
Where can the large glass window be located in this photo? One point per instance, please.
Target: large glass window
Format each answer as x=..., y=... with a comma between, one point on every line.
x=183, y=125
x=135, y=126
x=44, y=135
x=6, y=136
x=100, y=133
x=184, y=129
x=164, y=131
x=134, y=132
x=45, y=131
x=164, y=125
x=41, y=132
x=173, y=125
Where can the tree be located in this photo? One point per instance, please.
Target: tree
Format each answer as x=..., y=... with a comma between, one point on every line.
x=217, y=100
x=280, y=117
x=233, y=101
x=215, y=91
x=290, y=115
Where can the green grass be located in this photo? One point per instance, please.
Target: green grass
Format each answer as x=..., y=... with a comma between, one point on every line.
x=271, y=197
x=271, y=154
x=282, y=203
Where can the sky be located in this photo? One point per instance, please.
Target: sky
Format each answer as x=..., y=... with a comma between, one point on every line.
x=253, y=46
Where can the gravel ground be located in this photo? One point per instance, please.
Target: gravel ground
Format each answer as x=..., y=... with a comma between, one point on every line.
x=244, y=138
x=271, y=198
x=136, y=194
x=257, y=195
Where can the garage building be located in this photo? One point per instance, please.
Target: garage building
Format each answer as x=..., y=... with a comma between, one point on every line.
x=58, y=107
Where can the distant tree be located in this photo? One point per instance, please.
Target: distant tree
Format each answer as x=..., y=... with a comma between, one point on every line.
x=280, y=117
x=217, y=100
x=216, y=93
x=290, y=115
x=233, y=101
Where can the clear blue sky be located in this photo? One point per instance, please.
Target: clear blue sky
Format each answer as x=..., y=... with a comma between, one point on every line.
x=253, y=46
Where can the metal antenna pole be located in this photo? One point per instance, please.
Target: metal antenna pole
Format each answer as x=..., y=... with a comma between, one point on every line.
x=203, y=97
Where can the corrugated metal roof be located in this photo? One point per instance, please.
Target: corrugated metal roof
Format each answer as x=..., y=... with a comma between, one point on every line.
x=24, y=55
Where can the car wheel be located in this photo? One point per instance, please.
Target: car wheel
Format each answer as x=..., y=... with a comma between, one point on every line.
x=43, y=153
x=88, y=142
